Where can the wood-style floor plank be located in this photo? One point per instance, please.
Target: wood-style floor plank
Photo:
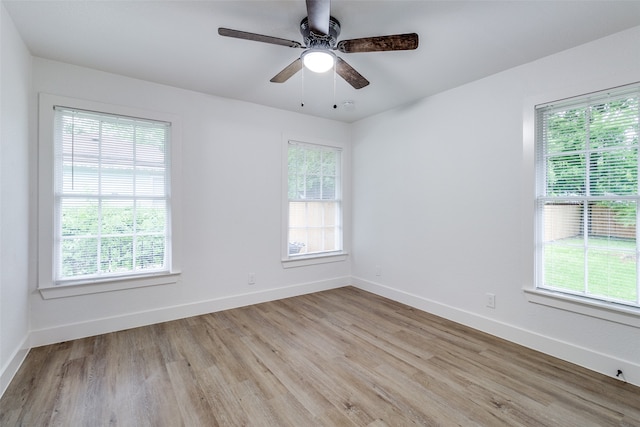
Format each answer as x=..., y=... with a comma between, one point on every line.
x=342, y=357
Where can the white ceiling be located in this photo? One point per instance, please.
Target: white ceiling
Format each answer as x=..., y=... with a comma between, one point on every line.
x=176, y=43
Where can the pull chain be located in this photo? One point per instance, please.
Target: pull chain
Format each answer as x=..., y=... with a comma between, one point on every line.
x=302, y=88
x=334, y=85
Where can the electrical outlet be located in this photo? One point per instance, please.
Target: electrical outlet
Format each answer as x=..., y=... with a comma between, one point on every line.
x=378, y=270
x=491, y=300
x=252, y=278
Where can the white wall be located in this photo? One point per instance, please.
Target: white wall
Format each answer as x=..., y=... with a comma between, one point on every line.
x=230, y=204
x=443, y=204
x=15, y=83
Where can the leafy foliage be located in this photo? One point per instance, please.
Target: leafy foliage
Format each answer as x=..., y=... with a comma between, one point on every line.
x=117, y=238
x=606, y=137
x=594, y=151
x=312, y=173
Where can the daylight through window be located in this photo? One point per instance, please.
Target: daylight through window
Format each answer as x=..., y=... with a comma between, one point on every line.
x=314, y=193
x=111, y=195
x=587, y=196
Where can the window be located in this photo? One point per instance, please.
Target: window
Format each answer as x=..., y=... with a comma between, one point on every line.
x=587, y=196
x=111, y=195
x=314, y=205
x=105, y=198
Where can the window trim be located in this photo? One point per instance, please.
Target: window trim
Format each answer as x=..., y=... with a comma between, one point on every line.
x=618, y=313
x=46, y=199
x=612, y=312
x=314, y=258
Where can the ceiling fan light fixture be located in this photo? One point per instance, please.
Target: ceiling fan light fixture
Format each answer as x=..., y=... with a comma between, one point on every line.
x=318, y=60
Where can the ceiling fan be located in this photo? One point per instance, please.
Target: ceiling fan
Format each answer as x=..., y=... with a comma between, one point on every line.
x=320, y=32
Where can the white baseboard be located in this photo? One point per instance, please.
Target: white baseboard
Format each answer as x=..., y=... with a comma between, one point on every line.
x=133, y=320
x=11, y=368
x=602, y=363
x=595, y=361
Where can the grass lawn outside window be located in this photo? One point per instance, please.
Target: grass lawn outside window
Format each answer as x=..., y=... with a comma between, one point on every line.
x=608, y=264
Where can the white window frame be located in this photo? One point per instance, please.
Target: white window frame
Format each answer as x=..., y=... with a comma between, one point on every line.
x=618, y=313
x=289, y=261
x=46, y=200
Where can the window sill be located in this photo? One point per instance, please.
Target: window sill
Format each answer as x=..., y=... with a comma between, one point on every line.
x=107, y=285
x=301, y=261
x=629, y=316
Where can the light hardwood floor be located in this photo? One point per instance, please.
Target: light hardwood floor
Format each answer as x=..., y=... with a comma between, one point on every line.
x=342, y=357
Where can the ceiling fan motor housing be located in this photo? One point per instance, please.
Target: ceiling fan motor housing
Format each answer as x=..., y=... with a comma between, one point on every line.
x=320, y=41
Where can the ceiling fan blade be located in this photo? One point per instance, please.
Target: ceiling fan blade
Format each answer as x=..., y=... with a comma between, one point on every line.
x=257, y=37
x=318, y=12
x=348, y=73
x=288, y=71
x=379, y=44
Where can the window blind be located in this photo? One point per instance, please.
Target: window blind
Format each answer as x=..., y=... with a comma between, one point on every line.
x=314, y=193
x=112, y=201
x=587, y=195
